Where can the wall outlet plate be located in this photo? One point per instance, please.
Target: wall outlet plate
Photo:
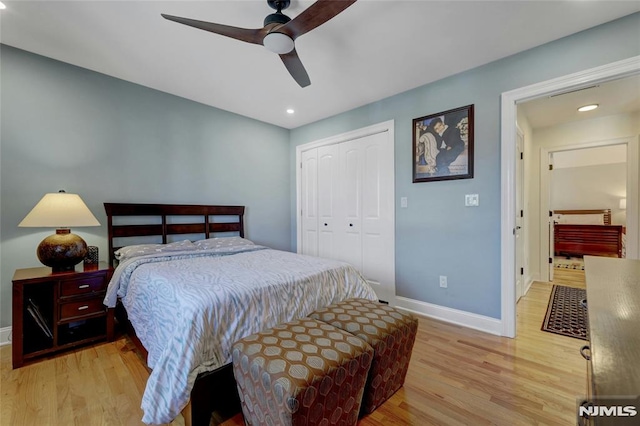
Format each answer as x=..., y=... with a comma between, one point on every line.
x=443, y=281
x=472, y=200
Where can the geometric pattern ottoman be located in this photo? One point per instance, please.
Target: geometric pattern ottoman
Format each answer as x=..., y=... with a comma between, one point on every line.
x=389, y=331
x=304, y=372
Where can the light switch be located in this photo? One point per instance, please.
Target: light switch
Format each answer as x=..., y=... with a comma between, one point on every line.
x=472, y=200
x=403, y=202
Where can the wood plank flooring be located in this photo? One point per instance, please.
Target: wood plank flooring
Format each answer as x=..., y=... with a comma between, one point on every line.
x=457, y=376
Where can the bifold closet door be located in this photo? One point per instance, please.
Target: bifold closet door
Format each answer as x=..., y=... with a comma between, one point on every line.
x=329, y=208
x=347, y=207
x=366, y=203
x=309, y=202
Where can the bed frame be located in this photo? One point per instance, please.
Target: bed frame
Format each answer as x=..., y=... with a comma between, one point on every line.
x=595, y=240
x=214, y=392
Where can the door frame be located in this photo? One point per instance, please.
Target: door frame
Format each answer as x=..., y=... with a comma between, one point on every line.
x=386, y=126
x=545, y=192
x=520, y=241
x=601, y=74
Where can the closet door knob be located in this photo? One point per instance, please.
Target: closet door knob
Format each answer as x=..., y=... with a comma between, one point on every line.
x=351, y=224
x=325, y=224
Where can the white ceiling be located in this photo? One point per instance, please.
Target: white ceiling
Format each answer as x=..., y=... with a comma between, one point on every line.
x=372, y=50
x=613, y=97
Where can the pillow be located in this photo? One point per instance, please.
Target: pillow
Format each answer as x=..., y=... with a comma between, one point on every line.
x=581, y=219
x=128, y=252
x=219, y=242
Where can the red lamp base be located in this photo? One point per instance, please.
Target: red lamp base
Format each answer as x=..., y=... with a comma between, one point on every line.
x=62, y=250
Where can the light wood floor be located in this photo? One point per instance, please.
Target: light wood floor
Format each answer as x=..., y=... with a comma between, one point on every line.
x=457, y=376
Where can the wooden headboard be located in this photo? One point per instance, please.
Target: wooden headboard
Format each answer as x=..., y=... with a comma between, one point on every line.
x=605, y=212
x=207, y=226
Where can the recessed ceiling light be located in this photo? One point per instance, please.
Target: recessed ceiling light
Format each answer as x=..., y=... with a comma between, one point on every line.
x=290, y=111
x=2, y=6
x=588, y=107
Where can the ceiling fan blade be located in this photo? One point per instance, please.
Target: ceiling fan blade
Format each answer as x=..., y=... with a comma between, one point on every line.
x=254, y=36
x=314, y=16
x=295, y=68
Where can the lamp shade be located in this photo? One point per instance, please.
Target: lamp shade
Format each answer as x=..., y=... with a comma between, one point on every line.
x=59, y=210
x=63, y=250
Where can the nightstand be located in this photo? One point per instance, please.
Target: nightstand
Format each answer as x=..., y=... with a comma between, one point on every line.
x=54, y=312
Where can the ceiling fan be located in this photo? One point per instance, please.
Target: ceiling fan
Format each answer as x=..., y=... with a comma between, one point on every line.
x=279, y=31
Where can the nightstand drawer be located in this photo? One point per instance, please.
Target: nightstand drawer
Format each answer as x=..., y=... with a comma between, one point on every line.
x=82, y=286
x=80, y=309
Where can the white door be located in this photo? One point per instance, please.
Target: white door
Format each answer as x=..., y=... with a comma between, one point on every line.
x=328, y=202
x=518, y=231
x=367, y=184
x=351, y=177
x=309, y=202
x=551, y=223
x=351, y=163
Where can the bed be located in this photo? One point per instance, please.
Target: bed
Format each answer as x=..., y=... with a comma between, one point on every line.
x=587, y=232
x=187, y=302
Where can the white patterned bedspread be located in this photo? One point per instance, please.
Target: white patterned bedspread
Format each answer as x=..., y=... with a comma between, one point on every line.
x=189, y=308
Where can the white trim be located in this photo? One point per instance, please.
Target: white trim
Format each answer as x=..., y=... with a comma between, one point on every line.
x=450, y=315
x=5, y=336
x=527, y=286
x=509, y=99
x=633, y=198
x=348, y=136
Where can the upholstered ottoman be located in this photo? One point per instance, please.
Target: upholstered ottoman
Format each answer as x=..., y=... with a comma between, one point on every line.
x=390, y=332
x=305, y=372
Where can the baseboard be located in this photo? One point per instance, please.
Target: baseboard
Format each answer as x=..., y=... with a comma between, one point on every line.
x=454, y=316
x=527, y=286
x=5, y=336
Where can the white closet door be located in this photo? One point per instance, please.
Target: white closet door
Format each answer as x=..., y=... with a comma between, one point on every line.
x=350, y=224
x=328, y=205
x=309, y=202
x=367, y=191
x=347, y=204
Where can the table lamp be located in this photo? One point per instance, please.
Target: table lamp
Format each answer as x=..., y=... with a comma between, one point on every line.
x=62, y=250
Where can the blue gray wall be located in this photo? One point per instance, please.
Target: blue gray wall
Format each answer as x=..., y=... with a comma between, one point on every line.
x=65, y=127
x=436, y=234
x=109, y=140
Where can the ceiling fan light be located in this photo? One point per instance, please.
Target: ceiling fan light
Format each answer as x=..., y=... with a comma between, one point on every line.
x=278, y=43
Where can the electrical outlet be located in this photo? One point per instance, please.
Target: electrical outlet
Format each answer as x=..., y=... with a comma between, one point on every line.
x=403, y=202
x=443, y=281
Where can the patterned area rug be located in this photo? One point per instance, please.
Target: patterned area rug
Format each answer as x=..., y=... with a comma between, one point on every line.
x=565, y=315
x=571, y=263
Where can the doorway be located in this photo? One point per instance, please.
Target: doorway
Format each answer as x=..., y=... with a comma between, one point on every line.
x=564, y=84
x=581, y=179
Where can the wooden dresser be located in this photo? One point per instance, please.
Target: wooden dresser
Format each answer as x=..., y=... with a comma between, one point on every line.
x=613, y=300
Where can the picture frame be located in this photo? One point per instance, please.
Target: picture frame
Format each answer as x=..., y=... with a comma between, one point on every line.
x=443, y=145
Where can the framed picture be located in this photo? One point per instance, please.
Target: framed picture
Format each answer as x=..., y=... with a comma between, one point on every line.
x=443, y=145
